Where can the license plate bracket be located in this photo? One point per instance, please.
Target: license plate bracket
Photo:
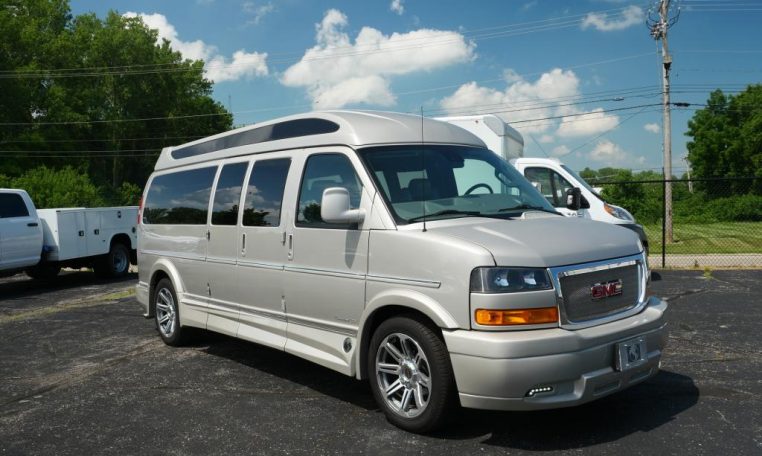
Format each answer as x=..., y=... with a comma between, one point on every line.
x=631, y=353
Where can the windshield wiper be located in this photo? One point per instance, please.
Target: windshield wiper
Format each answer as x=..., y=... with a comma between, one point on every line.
x=528, y=207
x=445, y=212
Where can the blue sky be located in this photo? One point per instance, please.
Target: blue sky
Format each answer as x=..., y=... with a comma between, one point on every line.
x=590, y=66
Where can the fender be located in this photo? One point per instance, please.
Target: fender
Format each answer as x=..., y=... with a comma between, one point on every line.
x=399, y=297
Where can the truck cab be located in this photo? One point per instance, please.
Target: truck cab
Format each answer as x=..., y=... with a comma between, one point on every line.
x=20, y=231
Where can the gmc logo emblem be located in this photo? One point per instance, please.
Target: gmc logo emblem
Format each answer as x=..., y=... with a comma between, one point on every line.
x=606, y=289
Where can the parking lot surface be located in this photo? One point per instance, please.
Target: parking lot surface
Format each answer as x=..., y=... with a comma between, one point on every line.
x=82, y=372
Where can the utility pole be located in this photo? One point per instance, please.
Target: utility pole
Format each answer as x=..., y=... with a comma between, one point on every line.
x=658, y=23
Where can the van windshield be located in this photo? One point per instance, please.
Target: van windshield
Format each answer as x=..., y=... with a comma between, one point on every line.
x=438, y=182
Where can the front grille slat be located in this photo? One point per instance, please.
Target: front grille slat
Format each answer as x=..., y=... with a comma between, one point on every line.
x=579, y=304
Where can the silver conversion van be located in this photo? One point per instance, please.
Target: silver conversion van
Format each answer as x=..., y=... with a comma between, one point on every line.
x=397, y=249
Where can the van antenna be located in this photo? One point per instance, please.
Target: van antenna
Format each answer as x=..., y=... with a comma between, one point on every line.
x=423, y=172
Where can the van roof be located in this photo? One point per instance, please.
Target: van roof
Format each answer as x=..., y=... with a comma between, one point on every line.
x=322, y=128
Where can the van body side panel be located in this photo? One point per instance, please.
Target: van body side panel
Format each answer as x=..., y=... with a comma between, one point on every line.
x=259, y=273
x=436, y=266
x=325, y=279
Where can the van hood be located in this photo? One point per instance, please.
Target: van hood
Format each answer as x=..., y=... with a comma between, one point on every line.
x=545, y=241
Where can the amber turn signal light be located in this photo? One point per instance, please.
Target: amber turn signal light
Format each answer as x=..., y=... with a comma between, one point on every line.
x=538, y=316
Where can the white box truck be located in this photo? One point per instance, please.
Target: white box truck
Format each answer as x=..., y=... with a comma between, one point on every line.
x=43, y=241
x=552, y=177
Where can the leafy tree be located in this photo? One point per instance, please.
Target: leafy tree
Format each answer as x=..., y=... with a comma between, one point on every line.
x=77, y=86
x=726, y=141
x=65, y=187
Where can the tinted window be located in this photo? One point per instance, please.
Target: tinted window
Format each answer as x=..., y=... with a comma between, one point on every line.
x=12, y=205
x=264, y=195
x=228, y=194
x=552, y=185
x=321, y=172
x=282, y=130
x=180, y=198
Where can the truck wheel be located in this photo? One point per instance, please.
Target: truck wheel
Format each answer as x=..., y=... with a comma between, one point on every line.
x=410, y=375
x=167, y=315
x=43, y=271
x=116, y=263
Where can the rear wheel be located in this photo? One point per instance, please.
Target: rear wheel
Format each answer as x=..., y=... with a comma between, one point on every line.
x=43, y=271
x=116, y=263
x=167, y=315
x=411, y=375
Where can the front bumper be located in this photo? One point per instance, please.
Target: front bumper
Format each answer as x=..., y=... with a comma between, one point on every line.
x=496, y=370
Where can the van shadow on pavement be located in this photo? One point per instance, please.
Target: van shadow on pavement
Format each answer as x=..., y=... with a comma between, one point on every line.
x=639, y=409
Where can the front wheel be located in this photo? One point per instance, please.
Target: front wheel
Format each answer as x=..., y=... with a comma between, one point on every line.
x=167, y=315
x=410, y=374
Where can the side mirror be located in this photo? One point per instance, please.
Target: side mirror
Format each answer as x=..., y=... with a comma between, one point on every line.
x=537, y=185
x=574, y=199
x=335, y=208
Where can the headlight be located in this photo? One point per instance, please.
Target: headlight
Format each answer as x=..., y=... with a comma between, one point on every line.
x=617, y=212
x=509, y=280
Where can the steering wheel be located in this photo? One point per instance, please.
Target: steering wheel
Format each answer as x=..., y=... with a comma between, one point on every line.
x=474, y=187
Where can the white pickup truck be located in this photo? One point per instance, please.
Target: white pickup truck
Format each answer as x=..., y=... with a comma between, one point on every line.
x=41, y=242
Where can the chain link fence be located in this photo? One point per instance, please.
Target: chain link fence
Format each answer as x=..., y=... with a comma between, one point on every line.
x=716, y=222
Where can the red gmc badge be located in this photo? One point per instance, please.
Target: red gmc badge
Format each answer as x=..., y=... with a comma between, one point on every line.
x=606, y=289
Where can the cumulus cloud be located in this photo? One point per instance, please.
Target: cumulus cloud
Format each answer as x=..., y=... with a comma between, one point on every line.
x=338, y=71
x=631, y=15
x=559, y=151
x=652, y=128
x=257, y=11
x=608, y=153
x=397, y=6
x=217, y=67
x=587, y=123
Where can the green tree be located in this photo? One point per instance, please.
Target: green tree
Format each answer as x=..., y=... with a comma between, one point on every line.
x=64, y=187
x=726, y=141
x=77, y=87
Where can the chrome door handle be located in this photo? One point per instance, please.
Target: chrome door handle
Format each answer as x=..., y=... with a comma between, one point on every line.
x=290, y=246
x=243, y=244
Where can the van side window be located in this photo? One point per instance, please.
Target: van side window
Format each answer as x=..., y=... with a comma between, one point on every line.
x=180, y=198
x=228, y=194
x=12, y=205
x=323, y=171
x=552, y=185
x=264, y=195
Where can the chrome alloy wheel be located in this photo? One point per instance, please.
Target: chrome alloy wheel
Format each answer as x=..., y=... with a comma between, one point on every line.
x=403, y=375
x=165, y=312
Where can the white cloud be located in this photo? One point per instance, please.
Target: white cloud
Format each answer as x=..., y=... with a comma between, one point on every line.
x=337, y=71
x=559, y=151
x=631, y=15
x=587, y=124
x=519, y=93
x=397, y=6
x=652, y=128
x=257, y=11
x=608, y=153
x=528, y=5
x=546, y=139
x=217, y=67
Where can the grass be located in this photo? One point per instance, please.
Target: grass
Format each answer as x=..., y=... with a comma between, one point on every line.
x=710, y=238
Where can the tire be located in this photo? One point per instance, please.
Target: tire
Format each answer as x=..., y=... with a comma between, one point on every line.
x=167, y=315
x=410, y=360
x=116, y=263
x=43, y=271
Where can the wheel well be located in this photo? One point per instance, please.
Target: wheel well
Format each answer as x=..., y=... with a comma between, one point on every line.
x=379, y=316
x=122, y=238
x=157, y=276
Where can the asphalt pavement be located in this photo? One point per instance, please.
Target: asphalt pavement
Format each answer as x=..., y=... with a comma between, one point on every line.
x=82, y=372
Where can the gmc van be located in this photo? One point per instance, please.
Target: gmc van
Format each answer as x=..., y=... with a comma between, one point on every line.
x=397, y=249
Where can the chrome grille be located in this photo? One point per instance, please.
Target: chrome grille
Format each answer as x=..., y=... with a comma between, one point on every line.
x=578, y=302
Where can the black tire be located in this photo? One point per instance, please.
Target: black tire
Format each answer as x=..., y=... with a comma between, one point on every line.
x=43, y=271
x=116, y=263
x=428, y=380
x=166, y=305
